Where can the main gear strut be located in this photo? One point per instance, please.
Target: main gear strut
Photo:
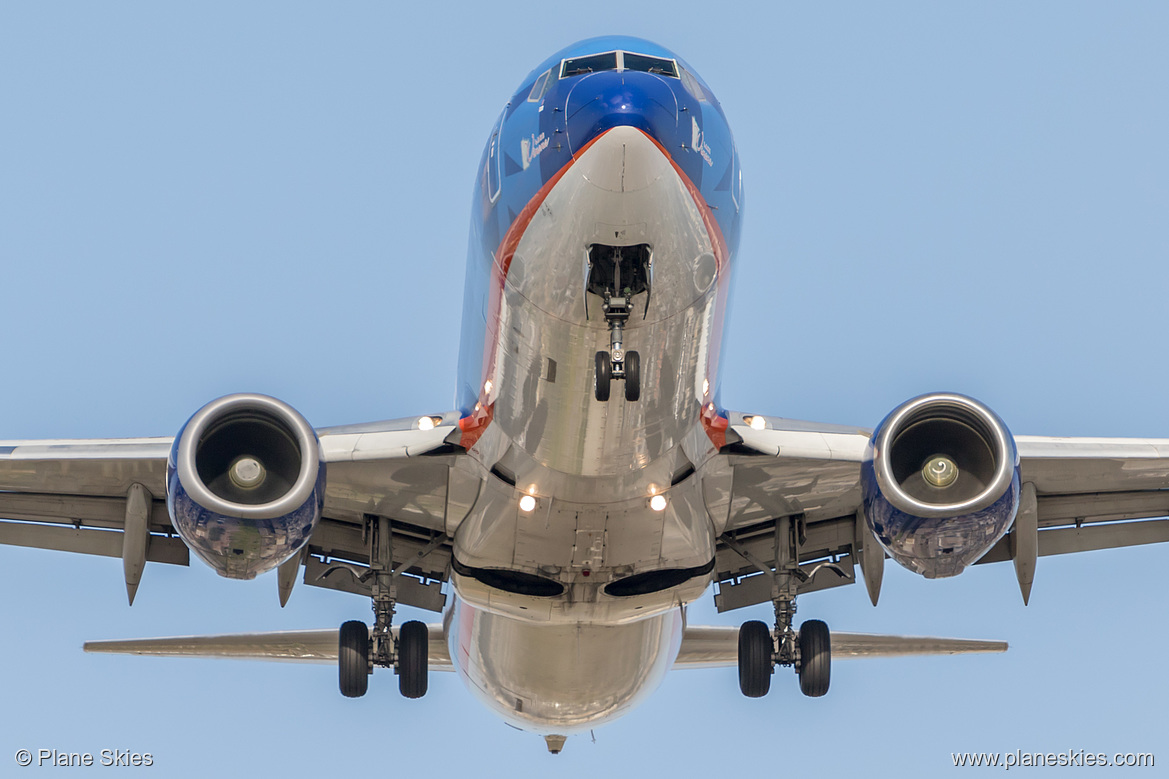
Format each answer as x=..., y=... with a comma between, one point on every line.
x=807, y=650
x=361, y=649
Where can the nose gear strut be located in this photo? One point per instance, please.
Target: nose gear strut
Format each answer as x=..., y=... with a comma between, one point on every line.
x=616, y=274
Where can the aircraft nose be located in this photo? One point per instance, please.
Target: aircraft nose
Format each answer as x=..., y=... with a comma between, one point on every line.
x=602, y=101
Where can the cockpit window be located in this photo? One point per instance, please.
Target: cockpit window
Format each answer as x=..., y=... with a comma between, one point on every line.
x=617, y=60
x=540, y=87
x=590, y=64
x=692, y=85
x=646, y=64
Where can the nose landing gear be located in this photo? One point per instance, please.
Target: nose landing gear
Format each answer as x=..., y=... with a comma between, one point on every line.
x=617, y=363
x=616, y=274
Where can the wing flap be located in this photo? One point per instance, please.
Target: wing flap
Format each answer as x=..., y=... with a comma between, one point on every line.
x=97, y=512
x=1067, y=540
x=106, y=543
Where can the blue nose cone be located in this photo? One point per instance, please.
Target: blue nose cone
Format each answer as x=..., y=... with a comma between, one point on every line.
x=602, y=101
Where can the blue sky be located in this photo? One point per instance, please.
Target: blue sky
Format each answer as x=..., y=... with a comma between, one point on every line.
x=206, y=198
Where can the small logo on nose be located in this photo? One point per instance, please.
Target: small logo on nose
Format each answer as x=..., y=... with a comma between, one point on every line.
x=530, y=148
x=698, y=142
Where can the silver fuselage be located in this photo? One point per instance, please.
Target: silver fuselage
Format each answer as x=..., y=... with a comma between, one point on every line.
x=567, y=662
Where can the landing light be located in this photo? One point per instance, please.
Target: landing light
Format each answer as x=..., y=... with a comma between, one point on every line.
x=425, y=423
x=756, y=422
x=527, y=504
x=658, y=503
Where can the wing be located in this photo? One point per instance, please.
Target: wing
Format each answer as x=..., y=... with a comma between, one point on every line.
x=294, y=646
x=718, y=646
x=107, y=497
x=1079, y=494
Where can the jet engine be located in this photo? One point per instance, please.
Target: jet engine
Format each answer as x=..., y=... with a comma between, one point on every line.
x=245, y=484
x=941, y=483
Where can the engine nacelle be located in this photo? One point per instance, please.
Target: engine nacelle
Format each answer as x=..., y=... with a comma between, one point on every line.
x=941, y=483
x=245, y=484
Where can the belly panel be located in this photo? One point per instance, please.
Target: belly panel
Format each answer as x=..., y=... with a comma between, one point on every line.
x=561, y=678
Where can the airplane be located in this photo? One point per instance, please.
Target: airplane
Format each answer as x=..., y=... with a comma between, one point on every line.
x=588, y=484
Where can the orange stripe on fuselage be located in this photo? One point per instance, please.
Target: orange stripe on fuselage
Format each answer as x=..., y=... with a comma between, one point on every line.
x=713, y=423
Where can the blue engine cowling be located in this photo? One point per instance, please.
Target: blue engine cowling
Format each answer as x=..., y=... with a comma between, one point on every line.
x=245, y=484
x=941, y=483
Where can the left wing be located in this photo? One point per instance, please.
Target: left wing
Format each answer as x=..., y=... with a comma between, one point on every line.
x=1078, y=494
x=108, y=497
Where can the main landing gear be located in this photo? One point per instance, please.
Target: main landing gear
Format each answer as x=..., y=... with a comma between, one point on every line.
x=809, y=650
x=360, y=649
x=616, y=274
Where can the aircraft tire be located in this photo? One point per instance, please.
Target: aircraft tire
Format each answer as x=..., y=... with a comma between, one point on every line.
x=755, y=659
x=353, y=658
x=815, y=658
x=632, y=376
x=413, y=660
x=604, y=376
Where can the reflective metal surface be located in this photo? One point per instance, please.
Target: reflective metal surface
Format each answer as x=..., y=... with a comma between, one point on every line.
x=561, y=678
x=589, y=467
